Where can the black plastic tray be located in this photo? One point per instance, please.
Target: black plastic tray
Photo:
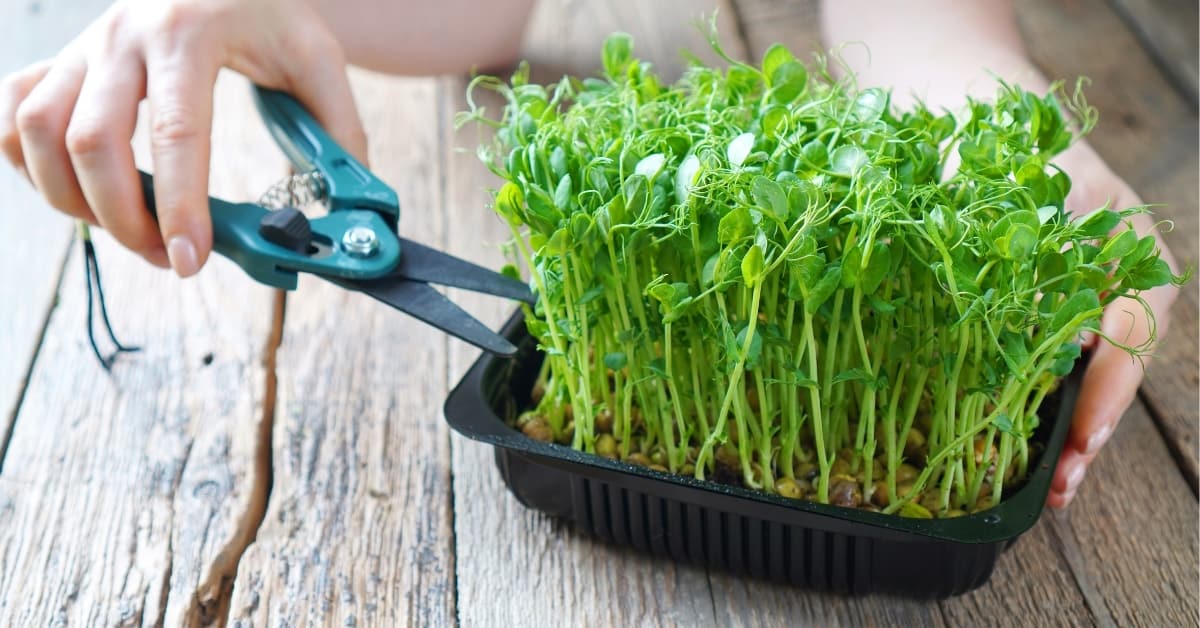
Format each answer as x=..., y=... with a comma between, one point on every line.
x=807, y=544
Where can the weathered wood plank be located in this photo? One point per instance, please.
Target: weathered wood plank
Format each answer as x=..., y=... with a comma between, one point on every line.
x=127, y=498
x=358, y=528
x=1130, y=534
x=1167, y=30
x=33, y=240
x=1147, y=134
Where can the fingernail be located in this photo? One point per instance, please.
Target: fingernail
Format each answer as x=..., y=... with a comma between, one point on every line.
x=1074, y=478
x=1097, y=439
x=183, y=257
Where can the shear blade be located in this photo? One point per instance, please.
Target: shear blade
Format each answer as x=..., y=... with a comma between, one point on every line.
x=422, y=263
x=423, y=302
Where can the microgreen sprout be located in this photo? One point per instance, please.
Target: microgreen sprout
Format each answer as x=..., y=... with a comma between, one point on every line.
x=766, y=276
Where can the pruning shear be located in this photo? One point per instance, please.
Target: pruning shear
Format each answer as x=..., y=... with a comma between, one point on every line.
x=356, y=245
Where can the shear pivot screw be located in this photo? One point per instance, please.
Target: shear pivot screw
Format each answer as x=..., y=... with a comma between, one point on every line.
x=360, y=242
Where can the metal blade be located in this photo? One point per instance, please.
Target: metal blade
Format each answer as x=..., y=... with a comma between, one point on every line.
x=422, y=263
x=422, y=302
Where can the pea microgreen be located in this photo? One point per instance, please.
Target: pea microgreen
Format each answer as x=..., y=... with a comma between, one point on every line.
x=769, y=276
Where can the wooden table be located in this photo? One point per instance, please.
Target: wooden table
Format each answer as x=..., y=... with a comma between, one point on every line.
x=280, y=461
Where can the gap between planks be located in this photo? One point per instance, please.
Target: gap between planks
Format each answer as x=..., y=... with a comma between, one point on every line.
x=6, y=433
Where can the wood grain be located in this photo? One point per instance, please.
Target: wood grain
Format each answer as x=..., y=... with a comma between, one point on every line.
x=358, y=528
x=33, y=238
x=1147, y=134
x=1167, y=31
x=127, y=498
x=1130, y=534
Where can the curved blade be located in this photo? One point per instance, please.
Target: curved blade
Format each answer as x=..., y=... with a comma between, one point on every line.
x=422, y=302
x=422, y=263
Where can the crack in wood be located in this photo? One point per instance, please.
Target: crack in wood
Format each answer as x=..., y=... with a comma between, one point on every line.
x=1173, y=442
x=218, y=608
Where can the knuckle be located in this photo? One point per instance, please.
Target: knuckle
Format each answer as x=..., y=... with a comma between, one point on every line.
x=174, y=125
x=88, y=137
x=34, y=119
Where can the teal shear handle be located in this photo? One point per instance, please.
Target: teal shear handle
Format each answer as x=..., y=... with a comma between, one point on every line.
x=309, y=147
x=358, y=203
x=356, y=245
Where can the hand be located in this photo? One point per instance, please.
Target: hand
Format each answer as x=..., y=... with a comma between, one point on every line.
x=66, y=122
x=1112, y=378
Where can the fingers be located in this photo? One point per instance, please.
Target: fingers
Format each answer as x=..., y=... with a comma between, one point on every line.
x=98, y=142
x=179, y=89
x=13, y=91
x=1072, y=466
x=317, y=77
x=42, y=120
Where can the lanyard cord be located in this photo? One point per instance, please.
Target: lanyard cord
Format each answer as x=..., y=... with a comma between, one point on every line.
x=95, y=296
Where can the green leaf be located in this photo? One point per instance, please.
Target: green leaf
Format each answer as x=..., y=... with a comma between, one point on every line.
x=788, y=81
x=542, y=214
x=593, y=293
x=1097, y=224
x=637, y=195
x=769, y=196
x=562, y=193
x=618, y=51
x=752, y=267
x=615, y=361
x=755, y=350
x=1051, y=269
x=1003, y=423
x=869, y=105
x=857, y=374
x=877, y=268
x=773, y=58
x=773, y=120
x=823, y=289
x=815, y=153
x=847, y=160
x=1019, y=242
x=1015, y=351
x=1064, y=359
x=1149, y=274
x=1081, y=302
x=658, y=367
x=735, y=226
x=1117, y=247
x=508, y=203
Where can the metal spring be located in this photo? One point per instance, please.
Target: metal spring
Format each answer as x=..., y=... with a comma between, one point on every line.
x=297, y=190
